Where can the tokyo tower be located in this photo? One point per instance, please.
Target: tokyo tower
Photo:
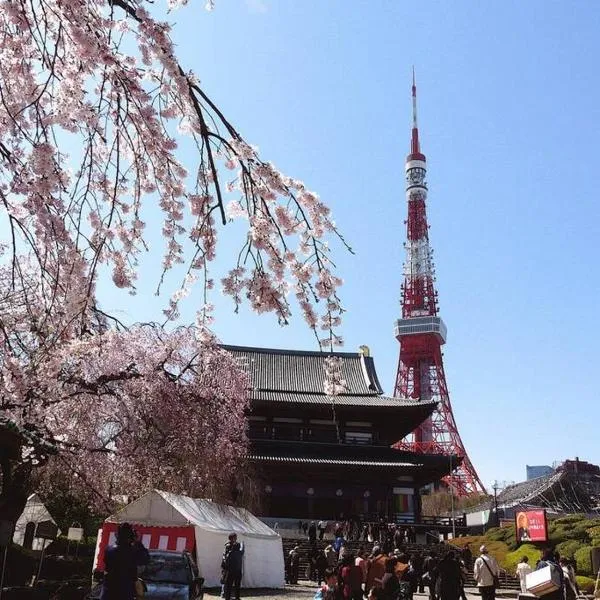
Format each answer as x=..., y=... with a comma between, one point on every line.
x=421, y=332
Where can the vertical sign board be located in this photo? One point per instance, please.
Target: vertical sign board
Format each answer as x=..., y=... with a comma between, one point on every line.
x=531, y=526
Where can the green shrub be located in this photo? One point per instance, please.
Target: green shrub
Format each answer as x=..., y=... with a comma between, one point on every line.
x=586, y=584
x=568, y=519
x=569, y=547
x=583, y=558
x=512, y=559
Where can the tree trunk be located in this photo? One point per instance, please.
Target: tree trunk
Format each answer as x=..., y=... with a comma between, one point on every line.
x=16, y=483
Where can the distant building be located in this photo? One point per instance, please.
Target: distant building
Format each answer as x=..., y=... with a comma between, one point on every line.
x=533, y=472
x=572, y=487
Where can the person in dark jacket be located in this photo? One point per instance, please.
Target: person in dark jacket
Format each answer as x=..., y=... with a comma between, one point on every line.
x=550, y=559
x=232, y=565
x=449, y=579
x=312, y=532
x=121, y=563
x=430, y=571
x=294, y=564
x=416, y=562
x=321, y=565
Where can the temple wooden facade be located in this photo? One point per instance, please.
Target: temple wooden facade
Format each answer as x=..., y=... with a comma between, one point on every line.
x=332, y=457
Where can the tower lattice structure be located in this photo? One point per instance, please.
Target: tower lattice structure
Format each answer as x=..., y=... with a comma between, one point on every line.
x=422, y=332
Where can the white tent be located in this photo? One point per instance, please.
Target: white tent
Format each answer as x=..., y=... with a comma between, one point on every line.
x=35, y=512
x=212, y=523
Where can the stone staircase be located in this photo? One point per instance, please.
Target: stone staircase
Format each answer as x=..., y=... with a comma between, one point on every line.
x=507, y=581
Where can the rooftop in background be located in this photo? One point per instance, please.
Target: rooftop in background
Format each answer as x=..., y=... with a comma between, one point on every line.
x=297, y=376
x=573, y=487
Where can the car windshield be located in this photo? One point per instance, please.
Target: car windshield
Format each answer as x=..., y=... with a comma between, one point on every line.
x=166, y=569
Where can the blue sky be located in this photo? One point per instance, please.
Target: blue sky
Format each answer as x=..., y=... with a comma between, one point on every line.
x=509, y=113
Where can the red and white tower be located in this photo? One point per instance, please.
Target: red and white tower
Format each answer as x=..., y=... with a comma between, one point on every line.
x=421, y=332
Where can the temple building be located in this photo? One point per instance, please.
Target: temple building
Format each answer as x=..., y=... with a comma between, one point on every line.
x=328, y=457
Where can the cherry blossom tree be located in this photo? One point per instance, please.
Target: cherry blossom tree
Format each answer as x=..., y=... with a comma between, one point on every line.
x=94, y=107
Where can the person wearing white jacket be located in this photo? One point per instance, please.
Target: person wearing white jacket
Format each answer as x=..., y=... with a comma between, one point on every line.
x=523, y=569
x=485, y=571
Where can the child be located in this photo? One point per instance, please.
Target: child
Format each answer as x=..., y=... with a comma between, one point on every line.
x=376, y=594
x=328, y=591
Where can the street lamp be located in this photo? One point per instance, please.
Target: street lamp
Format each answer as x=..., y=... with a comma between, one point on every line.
x=496, y=487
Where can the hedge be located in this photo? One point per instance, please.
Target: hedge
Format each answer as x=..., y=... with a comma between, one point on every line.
x=569, y=547
x=569, y=519
x=583, y=558
x=512, y=559
x=586, y=584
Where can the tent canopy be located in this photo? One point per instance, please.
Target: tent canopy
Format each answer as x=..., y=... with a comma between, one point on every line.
x=212, y=523
x=165, y=509
x=35, y=512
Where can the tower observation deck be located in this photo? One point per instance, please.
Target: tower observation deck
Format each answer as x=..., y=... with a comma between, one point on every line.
x=421, y=332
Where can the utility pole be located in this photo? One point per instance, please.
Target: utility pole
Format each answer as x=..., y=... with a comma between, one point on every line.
x=452, y=501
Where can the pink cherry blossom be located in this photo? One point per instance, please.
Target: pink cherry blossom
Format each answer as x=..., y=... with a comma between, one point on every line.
x=95, y=106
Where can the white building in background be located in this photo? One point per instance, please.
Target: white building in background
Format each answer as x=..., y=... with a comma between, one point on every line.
x=535, y=471
x=35, y=512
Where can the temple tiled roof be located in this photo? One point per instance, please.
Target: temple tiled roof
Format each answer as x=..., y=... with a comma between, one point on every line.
x=266, y=451
x=526, y=491
x=342, y=400
x=304, y=371
x=297, y=376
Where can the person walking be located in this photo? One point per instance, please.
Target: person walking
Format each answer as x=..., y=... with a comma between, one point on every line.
x=416, y=564
x=571, y=587
x=331, y=556
x=351, y=577
x=294, y=564
x=338, y=542
x=523, y=569
x=321, y=527
x=449, y=580
x=464, y=573
x=322, y=566
x=362, y=563
x=312, y=532
x=232, y=565
x=329, y=590
x=313, y=557
x=376, y=568
x=485, y=572
x=121, y=562
x=430, y=573
x=398, y=537
x=550, y=559
x=390, y=582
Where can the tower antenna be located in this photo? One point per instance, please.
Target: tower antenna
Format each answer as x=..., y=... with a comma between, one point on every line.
x=422, y=332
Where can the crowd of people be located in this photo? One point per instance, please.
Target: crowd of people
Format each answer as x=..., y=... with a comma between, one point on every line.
x=355, y=530
x=386, y=573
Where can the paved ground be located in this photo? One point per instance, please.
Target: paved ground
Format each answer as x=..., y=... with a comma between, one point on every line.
x=307, y=592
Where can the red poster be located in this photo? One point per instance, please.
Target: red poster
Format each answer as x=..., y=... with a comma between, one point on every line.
x=531, y=526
